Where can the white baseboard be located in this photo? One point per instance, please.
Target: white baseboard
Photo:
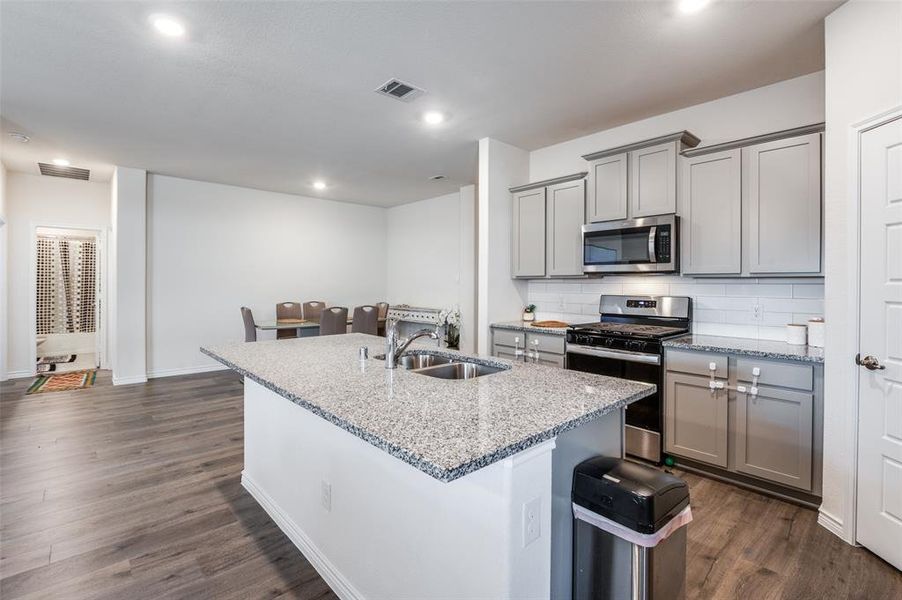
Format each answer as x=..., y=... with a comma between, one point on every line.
x=833, y=525
x=185, y=371
x=342, y=588
x=129, y=380
x=20, y=374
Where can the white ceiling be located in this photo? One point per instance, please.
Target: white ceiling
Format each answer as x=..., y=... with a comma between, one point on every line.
x=273, y=95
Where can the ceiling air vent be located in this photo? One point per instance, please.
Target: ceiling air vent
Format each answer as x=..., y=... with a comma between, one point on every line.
x=397, y=89
x=70, y=172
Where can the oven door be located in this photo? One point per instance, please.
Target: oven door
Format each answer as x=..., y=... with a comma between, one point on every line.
x=644, y=419
x=636, y=245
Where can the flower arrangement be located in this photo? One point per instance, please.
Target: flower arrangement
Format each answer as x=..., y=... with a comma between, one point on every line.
x=529, y=313
x=450, y=319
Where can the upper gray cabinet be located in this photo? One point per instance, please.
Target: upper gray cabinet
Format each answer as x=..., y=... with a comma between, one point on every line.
x=753, y=207
x=528, y=234
x=711, y=213
x=566, y=207
x=607, y=199
x=784, y=205
x=636, y=180
x=546, y=229
x=652, y=188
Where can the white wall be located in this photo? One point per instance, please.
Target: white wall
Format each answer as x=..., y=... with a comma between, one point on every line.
x=783, y=105
x=864, y=79
x=128, y=268
x=500, y=298
x=34, y=200
x=213, y=248
x=4, y=252
x=430, y=256
x=753, y=308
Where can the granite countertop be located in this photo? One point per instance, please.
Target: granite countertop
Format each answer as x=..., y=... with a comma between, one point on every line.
x=445, y=428
x=525, y=326
x=748, y=347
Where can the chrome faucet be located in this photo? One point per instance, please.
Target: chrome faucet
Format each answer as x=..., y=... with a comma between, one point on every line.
x=394, y=346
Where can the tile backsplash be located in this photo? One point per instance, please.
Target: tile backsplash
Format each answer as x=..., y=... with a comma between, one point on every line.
x=752, y=308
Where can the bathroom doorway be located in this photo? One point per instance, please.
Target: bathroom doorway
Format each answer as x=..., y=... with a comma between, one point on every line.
x=67, y=300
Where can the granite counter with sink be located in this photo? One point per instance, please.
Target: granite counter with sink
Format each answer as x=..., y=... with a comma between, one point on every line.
x=371, y=470
x=471, y=423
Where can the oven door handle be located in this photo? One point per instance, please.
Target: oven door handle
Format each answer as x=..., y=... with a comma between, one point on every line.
x=638, y=357
x=652, y=247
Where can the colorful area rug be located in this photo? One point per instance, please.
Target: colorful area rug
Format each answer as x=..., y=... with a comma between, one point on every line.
x=62, y=382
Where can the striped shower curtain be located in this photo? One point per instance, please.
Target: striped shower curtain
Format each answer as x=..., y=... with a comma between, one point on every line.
x=66, y=272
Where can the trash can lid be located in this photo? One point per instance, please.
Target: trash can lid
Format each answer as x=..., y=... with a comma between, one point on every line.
x=636, y=496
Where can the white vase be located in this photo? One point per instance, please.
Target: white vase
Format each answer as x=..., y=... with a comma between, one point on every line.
x=529, y=316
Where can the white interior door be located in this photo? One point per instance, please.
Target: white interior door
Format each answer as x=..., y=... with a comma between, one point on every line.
x=880, y=384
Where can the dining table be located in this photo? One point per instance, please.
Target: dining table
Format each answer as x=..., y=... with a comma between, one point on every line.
x=301, y=325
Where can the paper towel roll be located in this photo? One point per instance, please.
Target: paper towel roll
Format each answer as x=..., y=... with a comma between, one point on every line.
x=796, y=334
x=816, y=333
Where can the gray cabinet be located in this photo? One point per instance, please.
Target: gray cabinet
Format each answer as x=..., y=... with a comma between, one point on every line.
x=636, y=180
x=773, y=435
x=711, y=213
x=752, y=207
x=528, y=233
x=784, y=205
x=566, y=206
x=529, y=346
x=653, y=180
x=607, y=188
x=695, y=419
x=546, y=235
x=761, y=424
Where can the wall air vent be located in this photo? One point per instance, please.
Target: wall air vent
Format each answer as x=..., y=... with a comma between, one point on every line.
x=70, y=172
x=397, y=89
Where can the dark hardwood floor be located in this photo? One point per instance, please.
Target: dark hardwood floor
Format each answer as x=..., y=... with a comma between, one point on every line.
x=133, y=492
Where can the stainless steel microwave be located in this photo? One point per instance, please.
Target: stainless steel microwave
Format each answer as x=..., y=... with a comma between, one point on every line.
x=647, y=245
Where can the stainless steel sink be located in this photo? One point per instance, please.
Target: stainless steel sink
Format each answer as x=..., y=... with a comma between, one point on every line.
x=421, y=361
x=458, y=370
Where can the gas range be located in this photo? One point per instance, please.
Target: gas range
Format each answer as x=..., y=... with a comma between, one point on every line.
x=626, y=342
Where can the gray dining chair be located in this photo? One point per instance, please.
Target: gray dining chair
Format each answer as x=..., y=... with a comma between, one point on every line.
x=288, y=310
x=383, y=315
x=333, y=320
x=250, y=329
x=366, y=320
x=313, y=309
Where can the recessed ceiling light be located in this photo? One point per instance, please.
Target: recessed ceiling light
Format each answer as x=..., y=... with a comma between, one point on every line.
x=692, y=6
x=319, y=185
x=61, y=162
x=19, y=137
x=167, y=26
x=433, y=117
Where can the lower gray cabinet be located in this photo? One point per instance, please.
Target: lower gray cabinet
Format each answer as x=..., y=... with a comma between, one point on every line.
x=695, y=419
x=773, y=435
x=529, y=346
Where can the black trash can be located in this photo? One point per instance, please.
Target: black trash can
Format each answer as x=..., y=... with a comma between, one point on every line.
x=629, y=534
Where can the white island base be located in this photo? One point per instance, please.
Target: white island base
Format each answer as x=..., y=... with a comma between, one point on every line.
x=376, y=527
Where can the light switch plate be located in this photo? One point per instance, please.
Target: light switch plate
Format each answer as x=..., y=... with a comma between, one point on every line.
x=326, y=496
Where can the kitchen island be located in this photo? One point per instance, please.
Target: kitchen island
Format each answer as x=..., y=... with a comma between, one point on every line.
x=395, y=484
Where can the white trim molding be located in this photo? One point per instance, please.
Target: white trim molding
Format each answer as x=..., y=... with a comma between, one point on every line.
x=128, y=380
x=831, y=523
x=342, y=588
x=154, y=374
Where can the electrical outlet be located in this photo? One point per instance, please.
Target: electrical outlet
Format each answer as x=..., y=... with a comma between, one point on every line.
x=756, y=313
x=532, y=529
x=326, y=496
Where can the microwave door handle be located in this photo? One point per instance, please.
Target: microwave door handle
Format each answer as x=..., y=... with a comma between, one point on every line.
x=652, y=252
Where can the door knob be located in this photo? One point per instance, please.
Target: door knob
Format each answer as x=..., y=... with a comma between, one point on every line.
x=871, y=363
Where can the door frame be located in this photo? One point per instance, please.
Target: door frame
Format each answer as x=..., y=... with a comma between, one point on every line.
x=847, y=529
x=100, y=300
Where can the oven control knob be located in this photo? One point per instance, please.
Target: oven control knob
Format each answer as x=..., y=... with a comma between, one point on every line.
x=608, y=342
x=635, y=345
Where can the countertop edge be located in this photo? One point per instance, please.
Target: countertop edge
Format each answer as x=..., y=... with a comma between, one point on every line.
x=702, y=347
x=560, y=331
x=444, y=475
